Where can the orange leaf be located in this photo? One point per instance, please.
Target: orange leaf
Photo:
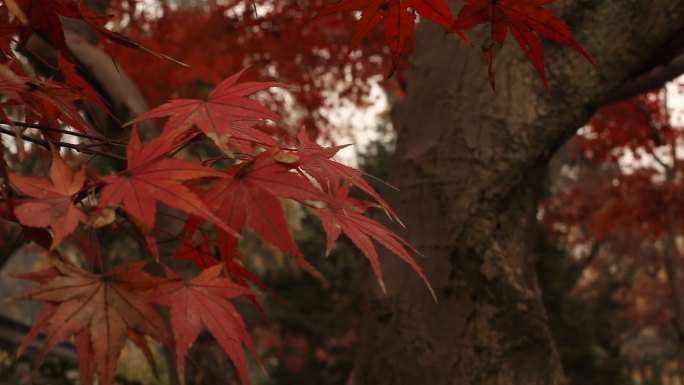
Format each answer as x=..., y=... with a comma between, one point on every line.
x=52, y=200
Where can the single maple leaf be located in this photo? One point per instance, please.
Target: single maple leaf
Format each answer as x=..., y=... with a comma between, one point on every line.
x=346, y=215
x=249, y=195
x=205, y=301
x=152, y=177
x=526, y=20
x=397, y=16
x=99, y=310
x=226, y=112
x=51, y=204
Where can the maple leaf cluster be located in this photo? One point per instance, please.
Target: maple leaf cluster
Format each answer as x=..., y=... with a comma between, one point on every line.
x=526, y=20
x=254, y=165
x=626, y=151
x=103, y=307
x=263, y=170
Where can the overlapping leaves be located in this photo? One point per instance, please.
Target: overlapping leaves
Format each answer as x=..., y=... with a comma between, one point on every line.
x=262, y=171
x=152, y=177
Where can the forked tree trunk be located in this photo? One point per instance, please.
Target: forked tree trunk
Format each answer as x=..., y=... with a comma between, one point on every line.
x=469, y=165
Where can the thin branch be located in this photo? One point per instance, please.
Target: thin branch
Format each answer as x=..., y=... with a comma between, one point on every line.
x=46, y=143
x=66, y=132
x=660, y=161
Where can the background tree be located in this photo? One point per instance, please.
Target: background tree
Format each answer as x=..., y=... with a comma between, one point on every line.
x=469, y=165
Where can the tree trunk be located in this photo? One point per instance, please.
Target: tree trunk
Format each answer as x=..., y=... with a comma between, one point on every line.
x=470, y=164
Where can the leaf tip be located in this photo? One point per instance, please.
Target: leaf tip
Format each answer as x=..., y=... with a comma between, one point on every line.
x=432, y=292
x=381, y=282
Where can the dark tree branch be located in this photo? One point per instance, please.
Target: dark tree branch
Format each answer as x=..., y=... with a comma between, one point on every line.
x=103, y=139
x=656, y=77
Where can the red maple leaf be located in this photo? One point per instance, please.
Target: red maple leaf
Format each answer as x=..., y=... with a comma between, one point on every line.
x=51, y=204
x=526, y=20
x=318, y=162
x=152, y=177
x=205, y=301
x=50, y=102
x=197, y=252
x=100, y=310
x=397, y=16
x=226, y=112
x=97, y=22
x=249, y=195
x=44, y=16
x=205, y=256
x=347, y=215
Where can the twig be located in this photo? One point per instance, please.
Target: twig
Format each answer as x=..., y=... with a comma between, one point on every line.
x=77, y=147
x=67, y=132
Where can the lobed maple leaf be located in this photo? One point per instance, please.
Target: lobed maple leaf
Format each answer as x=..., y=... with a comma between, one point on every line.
x=347, y=215
x=226, y=112
x=51, y=204
x=526, y=20
x=152, y=177
x=248, y=195
x=100, y=310
x=397, y=16
x=205, y=301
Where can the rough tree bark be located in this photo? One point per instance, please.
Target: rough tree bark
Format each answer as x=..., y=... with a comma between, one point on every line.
x=469, y=163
